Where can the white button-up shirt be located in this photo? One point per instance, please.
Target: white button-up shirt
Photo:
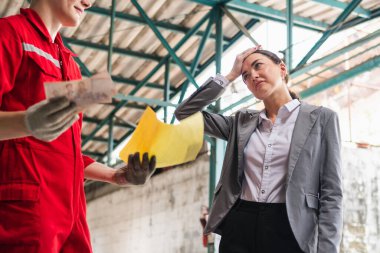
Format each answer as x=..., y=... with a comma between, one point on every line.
x=266, y=156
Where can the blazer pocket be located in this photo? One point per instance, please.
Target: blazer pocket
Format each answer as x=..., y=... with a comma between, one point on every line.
x=312, y=201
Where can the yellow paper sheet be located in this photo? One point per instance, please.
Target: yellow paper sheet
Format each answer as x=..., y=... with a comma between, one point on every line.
x=171, y=144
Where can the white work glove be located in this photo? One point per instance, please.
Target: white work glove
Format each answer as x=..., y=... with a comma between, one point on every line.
x=48, y=119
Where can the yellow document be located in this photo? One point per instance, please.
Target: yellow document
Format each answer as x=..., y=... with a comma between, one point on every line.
x=171, y=144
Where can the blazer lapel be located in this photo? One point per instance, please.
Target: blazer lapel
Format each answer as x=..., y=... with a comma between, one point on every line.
x=305, y=121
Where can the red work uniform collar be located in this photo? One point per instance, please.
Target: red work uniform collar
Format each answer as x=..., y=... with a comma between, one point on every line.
x=39, y=25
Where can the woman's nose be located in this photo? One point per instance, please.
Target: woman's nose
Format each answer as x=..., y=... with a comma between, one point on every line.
x=254, y=74
x=86, y=3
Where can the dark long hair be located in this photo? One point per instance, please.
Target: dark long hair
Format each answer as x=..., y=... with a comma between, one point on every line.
x=275, y=59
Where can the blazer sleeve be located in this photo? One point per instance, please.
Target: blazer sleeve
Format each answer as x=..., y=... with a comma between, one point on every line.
x=330, y=211
x=215, y=125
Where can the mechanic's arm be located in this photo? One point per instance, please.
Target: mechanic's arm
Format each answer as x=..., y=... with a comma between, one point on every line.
x=136, y=172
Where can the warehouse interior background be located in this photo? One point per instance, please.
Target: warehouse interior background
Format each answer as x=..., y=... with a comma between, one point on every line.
x=159, y=51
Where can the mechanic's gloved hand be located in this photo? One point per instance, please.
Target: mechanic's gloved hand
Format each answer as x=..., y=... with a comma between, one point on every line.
x=48, y=119
x=135, y=172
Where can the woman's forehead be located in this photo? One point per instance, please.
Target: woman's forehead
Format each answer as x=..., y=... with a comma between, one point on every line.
x=251, y=59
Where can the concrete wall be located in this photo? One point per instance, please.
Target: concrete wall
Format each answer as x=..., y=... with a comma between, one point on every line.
x=361, y=184
x=163, y=216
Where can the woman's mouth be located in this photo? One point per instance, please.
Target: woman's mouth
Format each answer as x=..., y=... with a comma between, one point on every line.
x=257, y=84
x=78, y=10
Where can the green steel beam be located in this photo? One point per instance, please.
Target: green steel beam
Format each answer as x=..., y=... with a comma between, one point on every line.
x=104, y=48
x=249, y=25
x=204, y=66
x=211, y=3
x=109, y=67
x=86, y=72
x=217, y=153
x=116, y=50
x=100, y=139
x=341, y=5
x=116, y=124
x=201, y=47
x=93, y=154
x=335, y=64
x=133, y=82
x=323, y=60
x=359, y=20
x=121, y=104
x=149, y=101
x=260, y=11
x=217, y=145
x=167, y=89
x=219, y=33
x=128, y=105
x=165, y=43
x=139, y=20
x=110, y=141
x=218, y=18
x=240, y=26
x=346, y=25
x=119, y=79
x=120, y=141
x=289, y=26
x=241, y=101
x=273, y=14
x=341, y=77
x=329, y=32
x=197, y=58
x=110, y=44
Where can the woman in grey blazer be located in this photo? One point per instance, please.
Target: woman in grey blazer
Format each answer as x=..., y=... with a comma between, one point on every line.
x=280, y=188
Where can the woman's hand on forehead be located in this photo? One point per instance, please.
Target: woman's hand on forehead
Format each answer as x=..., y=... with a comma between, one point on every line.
x=236, y=70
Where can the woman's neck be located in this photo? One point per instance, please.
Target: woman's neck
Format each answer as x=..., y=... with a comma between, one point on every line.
x=275, y=102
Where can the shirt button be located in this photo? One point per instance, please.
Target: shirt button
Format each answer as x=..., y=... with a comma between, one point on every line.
x=262, y=191
x=266, y=167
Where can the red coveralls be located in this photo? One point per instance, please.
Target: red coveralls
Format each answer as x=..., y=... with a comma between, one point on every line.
x=42, y=201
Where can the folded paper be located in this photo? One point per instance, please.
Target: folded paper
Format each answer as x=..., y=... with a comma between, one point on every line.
x=171, y=144
x=88, y=91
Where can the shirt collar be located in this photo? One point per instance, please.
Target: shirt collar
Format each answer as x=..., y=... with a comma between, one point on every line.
x=37, y=22
x=39, y=25
x=291, y=105
x=283, y=112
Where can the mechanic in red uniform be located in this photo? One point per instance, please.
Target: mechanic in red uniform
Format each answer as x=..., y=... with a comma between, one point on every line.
x=42, y=169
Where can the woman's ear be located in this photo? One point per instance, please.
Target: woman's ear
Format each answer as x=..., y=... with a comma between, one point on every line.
x=284, y=70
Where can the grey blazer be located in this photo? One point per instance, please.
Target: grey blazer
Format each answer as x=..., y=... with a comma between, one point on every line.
x=313, y=185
